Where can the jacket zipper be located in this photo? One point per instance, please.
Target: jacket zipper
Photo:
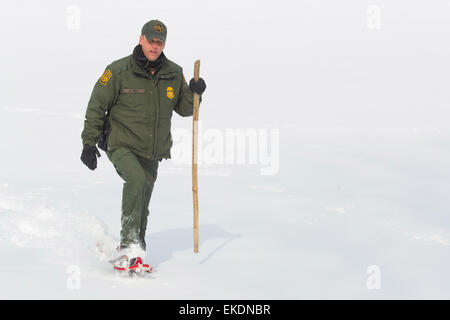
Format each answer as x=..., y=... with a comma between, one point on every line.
x=155, y=145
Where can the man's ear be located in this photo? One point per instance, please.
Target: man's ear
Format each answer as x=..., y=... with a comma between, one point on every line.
x=141, y=39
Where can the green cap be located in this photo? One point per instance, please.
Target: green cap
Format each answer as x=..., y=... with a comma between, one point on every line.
x=154, y=29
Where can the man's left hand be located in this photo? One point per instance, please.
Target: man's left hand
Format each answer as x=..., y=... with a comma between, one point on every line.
x=197, y=86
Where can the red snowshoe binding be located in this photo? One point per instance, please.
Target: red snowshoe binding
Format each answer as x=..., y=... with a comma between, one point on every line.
x=134, y=265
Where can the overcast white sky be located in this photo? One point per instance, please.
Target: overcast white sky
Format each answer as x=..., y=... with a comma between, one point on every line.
x=318, y=64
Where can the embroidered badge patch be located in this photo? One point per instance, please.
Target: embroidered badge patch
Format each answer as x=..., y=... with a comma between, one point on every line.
x=105, y=77
x=170, y=93
x=158, y=28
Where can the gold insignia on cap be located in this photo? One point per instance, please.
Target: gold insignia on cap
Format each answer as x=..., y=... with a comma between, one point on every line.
x=105, y=77
x=170, y=93
x=158, y=28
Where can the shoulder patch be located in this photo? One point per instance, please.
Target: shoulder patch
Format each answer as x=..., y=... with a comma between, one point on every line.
x=105, y=77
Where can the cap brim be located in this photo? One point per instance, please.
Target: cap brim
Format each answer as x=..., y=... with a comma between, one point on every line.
x=151, y=36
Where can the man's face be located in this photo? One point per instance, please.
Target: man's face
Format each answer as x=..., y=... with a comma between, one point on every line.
x=152, y=48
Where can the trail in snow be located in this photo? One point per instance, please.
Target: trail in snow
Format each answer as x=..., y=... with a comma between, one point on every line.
x=70, y=235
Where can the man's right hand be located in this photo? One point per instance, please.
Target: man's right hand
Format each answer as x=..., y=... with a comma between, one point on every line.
x=89, y=156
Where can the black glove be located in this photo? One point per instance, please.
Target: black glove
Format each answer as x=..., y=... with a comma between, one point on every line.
x=197, y=86
x=89, y=156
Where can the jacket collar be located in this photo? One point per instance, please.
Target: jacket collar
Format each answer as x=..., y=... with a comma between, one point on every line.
x=141, y=65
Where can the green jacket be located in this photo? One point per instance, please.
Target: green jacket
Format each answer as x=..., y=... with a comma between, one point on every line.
x=140, y=104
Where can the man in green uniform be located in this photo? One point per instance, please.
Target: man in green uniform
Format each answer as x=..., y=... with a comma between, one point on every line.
x=130, y=110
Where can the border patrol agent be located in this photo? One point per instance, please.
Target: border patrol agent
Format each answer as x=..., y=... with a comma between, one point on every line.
x=130, y=113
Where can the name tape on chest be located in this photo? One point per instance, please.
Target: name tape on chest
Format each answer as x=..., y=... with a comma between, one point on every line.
x=133, y=90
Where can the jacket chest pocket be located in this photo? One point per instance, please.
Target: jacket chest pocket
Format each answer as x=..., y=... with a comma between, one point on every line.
x=133, y=97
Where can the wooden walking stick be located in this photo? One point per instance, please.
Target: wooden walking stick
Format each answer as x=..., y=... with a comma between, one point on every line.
x=194, y=156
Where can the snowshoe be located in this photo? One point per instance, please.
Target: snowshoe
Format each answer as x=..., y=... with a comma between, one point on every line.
x=133, y=266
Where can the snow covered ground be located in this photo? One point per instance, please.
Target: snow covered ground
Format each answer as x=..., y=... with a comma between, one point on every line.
x=347, y=196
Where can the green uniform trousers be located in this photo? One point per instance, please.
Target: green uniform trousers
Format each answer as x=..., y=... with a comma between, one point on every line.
x=139, y=175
